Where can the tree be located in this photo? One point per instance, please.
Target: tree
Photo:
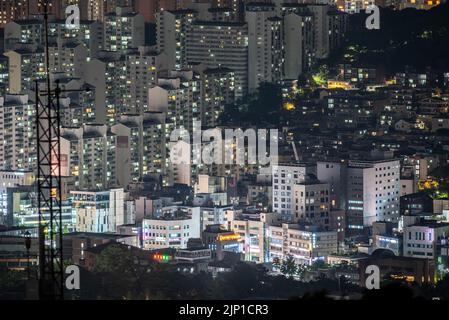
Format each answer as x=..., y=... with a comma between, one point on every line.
x=262, y=107
x=262, y=200
x=318, y=264
x=115, y=259
x=389, y=290
x=11, y=278
x=120, y=276
x=289, y=267
x=442, y=288
x=321, y=76
x=301, y=270
x=242, y=282
x=12, y=283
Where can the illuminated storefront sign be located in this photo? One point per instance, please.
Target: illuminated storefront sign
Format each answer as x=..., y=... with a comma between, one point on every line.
x=228, y=237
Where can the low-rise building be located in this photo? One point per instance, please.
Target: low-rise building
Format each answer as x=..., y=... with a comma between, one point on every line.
x=305, y=243
x=409, y=269
x=170, y=230
x=98, y=211
x=253, y=230
x=424, y=239
x=220, y=240
x=76, y=243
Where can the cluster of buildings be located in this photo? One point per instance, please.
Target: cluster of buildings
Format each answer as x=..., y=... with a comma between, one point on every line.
x=122, y=97
x=354, y=179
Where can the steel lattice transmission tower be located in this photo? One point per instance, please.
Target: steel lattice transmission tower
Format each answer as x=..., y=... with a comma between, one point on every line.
x=51, y=273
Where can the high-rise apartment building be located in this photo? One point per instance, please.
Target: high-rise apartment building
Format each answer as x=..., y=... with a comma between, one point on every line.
x=17, y=124
x=31, y=31
x=123, y=29
x=26, y=64
x=122, y=81
x=321, y=27
x=373, y=192
x=298, y=40
x=142, y=66
x=4, y=75
x=96, y=10
x=88, y=155
x=89, y=33
x=284, y=179
x=218, y=90
x=77, y=101
x=12, y=10
x=69, y=58
x=335, y=174
x=107, y=74
x=178, y=95
x=311, y=203
x=265, y=45
x=221, y=44
x=337, y=27
x=142, y=139
x=172, y=30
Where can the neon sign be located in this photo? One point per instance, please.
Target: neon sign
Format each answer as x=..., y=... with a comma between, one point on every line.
x=228, y=237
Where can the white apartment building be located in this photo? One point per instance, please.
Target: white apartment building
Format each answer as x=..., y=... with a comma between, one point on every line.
x=298, y=41
x=178, y=164
x=334, y=173
x=265, y=45
x=306, y=245
x=178, y=95
x=172, y=28
x=373, y=192
x=90, y=33
x=26, y=64
x=88, y=154
x=311, y=203
x=98, y=211
x=423, y=240
x=77, y=101
x=218, y=90
x=108, y=73
x=171, y=230
x=142, y=139
x=69, y=58
x=122, y=82
x=220, y=44
x=123, y=29
x=17, y=120
x=285, y=176
x=142, y=69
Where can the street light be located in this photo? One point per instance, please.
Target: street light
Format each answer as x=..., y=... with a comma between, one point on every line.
x=28, y=246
